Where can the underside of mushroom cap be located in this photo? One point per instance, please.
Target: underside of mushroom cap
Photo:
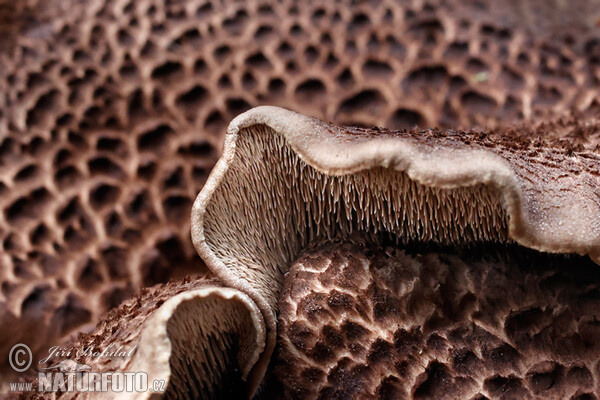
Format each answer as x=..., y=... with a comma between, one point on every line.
x=198, y=338
x=286, y=180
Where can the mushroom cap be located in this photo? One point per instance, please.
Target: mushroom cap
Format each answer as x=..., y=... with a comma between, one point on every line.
x=286, y=180
x=199, y=338
x=363, y=321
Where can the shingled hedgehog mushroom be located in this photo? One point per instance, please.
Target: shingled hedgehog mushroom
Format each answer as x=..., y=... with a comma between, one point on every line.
x=287, y=182
x=380, y=264
x=113, y=113
x=196, y=335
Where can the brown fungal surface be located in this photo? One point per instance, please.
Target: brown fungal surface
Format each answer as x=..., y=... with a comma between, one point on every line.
x=112, y=115
x=196, y=336
x=360, y=321
x=300, y=181
x=467, y=223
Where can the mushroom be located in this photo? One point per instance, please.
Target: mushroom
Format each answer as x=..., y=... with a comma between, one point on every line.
x=113, y=113
x=357, y=320
x=380, y=222
x=286, y=182
x=191, y=339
